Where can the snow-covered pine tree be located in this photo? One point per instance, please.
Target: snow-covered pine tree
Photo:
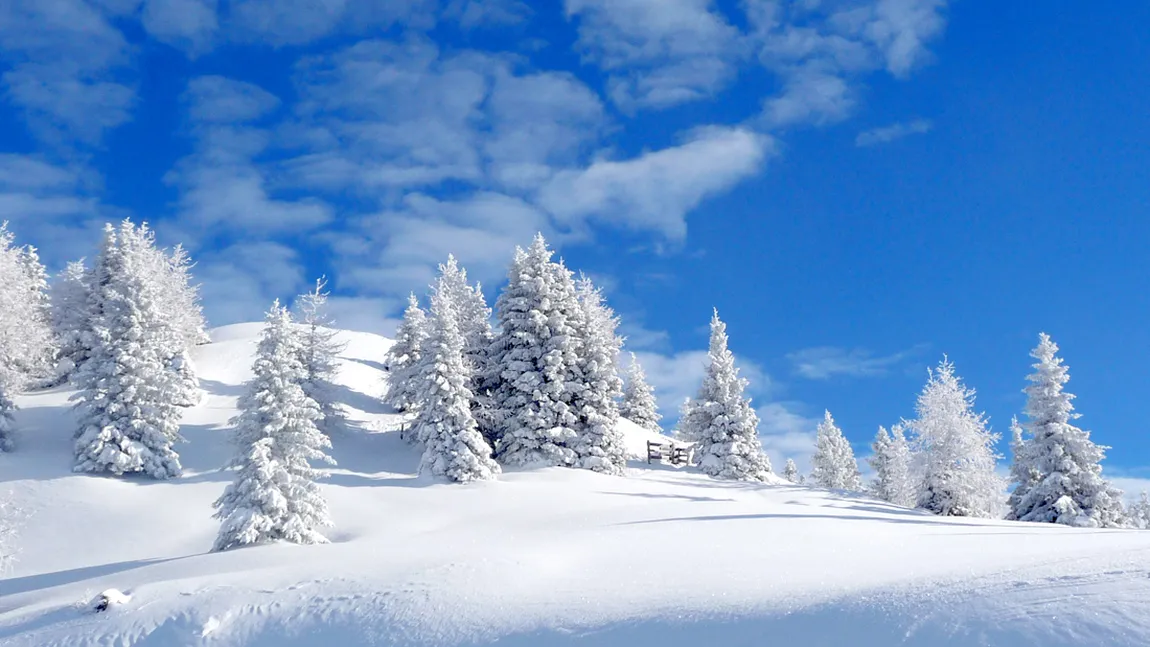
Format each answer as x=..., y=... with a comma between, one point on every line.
x=532, y=362
x=69, y=299
x=474, y=320
x=1139, y=512
x=26, y=340
x=834, y=465
x=891, y=463
x=275, y=496
x=1022, y=474
x=639, y=405
x=1059, y=473
x=954, y=450
x=319, y=352
x=403, y=357
x=128, y=419
x=453, y=447
x=720, y=421
x=791, y=472
x=599, y=444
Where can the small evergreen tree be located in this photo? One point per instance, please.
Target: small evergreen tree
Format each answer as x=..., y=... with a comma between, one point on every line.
x=7, y=419
x=128, y=419
x=453, y=447
x=533, y=360
x=955, y=450
x=275, y=496
x=721, y=422
x=599, y=444
x=474, y=320
x=639, y=405
x=183, y=323
x=791, y=472
x=69, y=299
x=403, y=357
x=891, y=463
x=320, y=350
x=1057, y=473
x=834, y=464
x=1139, y=512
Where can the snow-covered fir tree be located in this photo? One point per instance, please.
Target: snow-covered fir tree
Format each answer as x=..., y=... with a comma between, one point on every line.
x=891, y=463
x=453, y=447
x=1023, y=476
x=720, y=421
x=791, y=472
x=275, y=496
x=184, y=323
x=599, y=443
x=834, y=465
x=639, y=405
x=954, y=450
x=70, y=317
x=403, y=357
x=1058, y=471
x=533, y=361
x=320, y=349
x=1139, y=512
x=126, y=403
x=26, y=340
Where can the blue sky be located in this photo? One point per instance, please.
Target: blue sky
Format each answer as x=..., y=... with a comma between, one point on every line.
x=859, y=185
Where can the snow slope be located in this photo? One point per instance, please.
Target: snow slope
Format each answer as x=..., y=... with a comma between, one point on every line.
x=547, y=557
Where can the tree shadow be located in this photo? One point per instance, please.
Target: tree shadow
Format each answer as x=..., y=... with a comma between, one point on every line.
x=40, y=581
x=359, y=401
x=932, y=521
x=379, y=366
x=219, y=388
x=677, y=497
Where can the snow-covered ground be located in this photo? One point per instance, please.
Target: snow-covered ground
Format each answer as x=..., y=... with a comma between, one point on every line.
x=547, y=557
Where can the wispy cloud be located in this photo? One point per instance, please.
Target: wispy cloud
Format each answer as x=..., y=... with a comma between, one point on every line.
x=658, y=53
x=825, y=362
x=897, y=130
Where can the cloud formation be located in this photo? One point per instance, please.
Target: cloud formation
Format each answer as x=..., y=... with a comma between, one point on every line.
x=895, y=131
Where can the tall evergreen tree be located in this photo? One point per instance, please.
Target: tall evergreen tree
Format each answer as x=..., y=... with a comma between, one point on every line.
x=128, y=419
x=891, y=463
x=599, y=444
x=183, y=325
x=474, y=321
x=453, y=447
x=533, y=360
x=720, y=421
x=955, y=450
x=275, y=496
x=320, y=350
x=639, y=405
x=403, y=357
x=791, y=472
x=834, y=464
x=1058, y=471
x=70, y=317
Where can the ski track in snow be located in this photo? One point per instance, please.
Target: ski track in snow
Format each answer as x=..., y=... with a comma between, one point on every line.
x=544, y=557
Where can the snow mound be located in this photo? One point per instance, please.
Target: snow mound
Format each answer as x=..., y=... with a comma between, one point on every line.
x=664, y=556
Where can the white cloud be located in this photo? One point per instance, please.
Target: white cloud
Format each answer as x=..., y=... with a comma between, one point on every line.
x=241, y=281
x=51, y=206
x=897, y=130
x=395, y=252
x=824, y=362
x=63, y=55
x=820, y=49
x=656, y=190
x=658, y=53
x=472, y=14
x=191, y=25
x=296, y=22
x=221, y=186
x=787, y=434
x=218, y=99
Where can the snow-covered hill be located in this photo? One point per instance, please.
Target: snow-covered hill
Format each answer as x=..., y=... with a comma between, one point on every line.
x=547, y=557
